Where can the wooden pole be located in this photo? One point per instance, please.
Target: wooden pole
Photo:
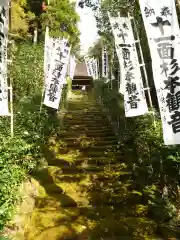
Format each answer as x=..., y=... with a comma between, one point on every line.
x=11, y=83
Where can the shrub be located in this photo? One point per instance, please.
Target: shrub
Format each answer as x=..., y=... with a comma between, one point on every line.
x=151, y=162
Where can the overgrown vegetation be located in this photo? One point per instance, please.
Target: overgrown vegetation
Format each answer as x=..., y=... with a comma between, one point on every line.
x=21, y=155
x=155, y=167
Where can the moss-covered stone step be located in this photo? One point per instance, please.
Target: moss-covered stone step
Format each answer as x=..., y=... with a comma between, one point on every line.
x=76, y=142
x=85, y=168
x=61, y=177
x=104, y=149
x=85, y=161
x=88, y=121
x=88, y=223
x=85, y=138
x=86, y=133
x=90, y=128
x=85, y=115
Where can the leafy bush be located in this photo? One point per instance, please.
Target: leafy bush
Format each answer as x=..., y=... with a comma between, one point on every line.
x=155, y=167
x=20, y=155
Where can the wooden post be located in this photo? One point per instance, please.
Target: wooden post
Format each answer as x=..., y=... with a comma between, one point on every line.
x=11, y=83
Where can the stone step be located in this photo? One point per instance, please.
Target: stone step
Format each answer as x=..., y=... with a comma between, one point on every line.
x=90, y=128
x=91, y=112
x=60, y=177
x=82, y=137
x=98, y=161
x=93, y=148
x=87, y=120
x=87, y=133
x=79, y=142
x=91, y=169
x=85, y=144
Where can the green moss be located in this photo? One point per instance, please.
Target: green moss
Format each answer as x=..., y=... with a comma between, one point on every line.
x=78, y=197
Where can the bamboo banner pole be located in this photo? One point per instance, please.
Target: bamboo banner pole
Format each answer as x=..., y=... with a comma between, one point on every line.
x=11, y=83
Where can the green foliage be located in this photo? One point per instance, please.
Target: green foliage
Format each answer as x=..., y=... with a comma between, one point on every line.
x=20, y=155
x=20, y=19
x=62, y=19
x=155, y=167
x=25, y=58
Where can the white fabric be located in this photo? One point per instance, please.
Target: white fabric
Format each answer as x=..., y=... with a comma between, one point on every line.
x=105, y=66
x=89, y=66
x=161, y=24
x=94, y=68
x=131, y=79
x=4, y=22
x=47, y=54
x=57, y=73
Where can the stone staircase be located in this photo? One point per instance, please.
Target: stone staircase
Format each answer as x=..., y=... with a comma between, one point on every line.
x=86, y=191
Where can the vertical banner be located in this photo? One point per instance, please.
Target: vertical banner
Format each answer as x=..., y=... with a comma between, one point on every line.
x=48, y=49
x=93, y=63
x=89, y=66
x=161, y=24
x=134, y=97
x=105, y=67
x=95, y=69
x=4, y=23
x=57, y=73
x=72, y=66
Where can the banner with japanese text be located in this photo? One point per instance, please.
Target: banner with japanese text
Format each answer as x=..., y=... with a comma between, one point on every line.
x=134, y=96
x=48, y=49
x=162, y=29
x=4, y=26
x=89, y=66
x=94, y=68
x=105, y=66
x=57, y=73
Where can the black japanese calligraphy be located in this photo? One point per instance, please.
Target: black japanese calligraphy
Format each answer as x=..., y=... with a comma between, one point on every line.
x=172, y=83
x=175, y=122
x=131, y=88
x=125, y=26
x=175, y=67
x=149, y=11
x=173, y=101
x=133, y=100
x=160, y=23
x=128, y=65
x=52, y=92
x=165, y=11
x=164, y=67
x=165, y=50
x=170, y=38
x=126, y=53
x=122, y=35
x=129, y=76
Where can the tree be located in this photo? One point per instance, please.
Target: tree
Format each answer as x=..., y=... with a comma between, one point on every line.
x=20, y=18
x=62, y=19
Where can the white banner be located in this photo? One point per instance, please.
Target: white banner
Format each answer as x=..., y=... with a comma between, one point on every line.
x=134, y=97
x=93, y=63
x=57, y=73
x=163, y=35
x=89, y=66
x=72, y=66
x=48, y=49
x=105, y=66
x=4, y=23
